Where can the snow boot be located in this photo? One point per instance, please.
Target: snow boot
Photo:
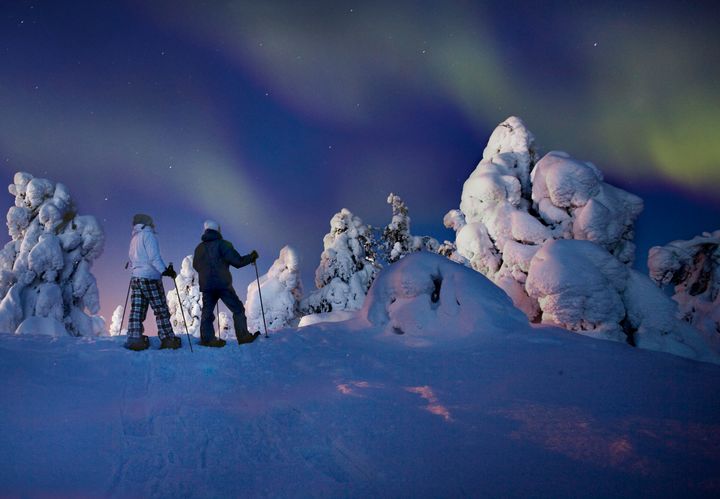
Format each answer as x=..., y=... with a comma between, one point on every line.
x=247, y=338
x=173, y=342
x=137, y=344
x=215, y=342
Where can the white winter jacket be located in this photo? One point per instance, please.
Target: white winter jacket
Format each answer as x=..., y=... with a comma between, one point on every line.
x=145, y=253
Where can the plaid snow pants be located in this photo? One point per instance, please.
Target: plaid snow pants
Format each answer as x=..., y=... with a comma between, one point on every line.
x=148, y=292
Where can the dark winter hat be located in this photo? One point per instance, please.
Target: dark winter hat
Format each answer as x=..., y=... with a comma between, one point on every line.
x=143, y=219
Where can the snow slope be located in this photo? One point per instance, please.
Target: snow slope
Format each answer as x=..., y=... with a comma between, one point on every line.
x=353, y=409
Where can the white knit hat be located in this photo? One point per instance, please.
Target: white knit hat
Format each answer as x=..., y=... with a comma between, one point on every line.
x=211, y=225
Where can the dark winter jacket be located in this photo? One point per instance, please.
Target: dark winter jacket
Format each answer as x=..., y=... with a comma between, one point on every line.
x=212, y=259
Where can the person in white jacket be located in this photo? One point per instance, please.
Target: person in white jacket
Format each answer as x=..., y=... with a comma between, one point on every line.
x=146, y=284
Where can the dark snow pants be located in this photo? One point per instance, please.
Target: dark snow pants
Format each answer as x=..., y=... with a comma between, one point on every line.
x=148, y=292
x=232, y=302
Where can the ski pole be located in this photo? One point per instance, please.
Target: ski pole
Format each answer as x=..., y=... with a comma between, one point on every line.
x=262, y=308
x=127, y=297
x=182, y=311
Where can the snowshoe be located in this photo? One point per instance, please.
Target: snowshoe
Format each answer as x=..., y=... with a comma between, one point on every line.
x=137, y=344
x=247, y=338
x=215, y=342
x=173, y=342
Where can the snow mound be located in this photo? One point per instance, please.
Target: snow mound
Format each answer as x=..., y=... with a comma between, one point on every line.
x=693, y=267
x=427, y=299
x=583, y=288
x=338, y=316
x=46, y=326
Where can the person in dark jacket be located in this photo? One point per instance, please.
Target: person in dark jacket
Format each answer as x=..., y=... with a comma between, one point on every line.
x=212, y=259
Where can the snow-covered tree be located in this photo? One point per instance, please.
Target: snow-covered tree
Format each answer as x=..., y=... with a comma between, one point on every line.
x=583, y=288
x=45, y=269
x=188, y=285
x=396, y=238
x=281, y=292
x=513, y=203
x=116, y=322
x=693, y=267
x=559, y=241
x=345, y=272
x=227, y=328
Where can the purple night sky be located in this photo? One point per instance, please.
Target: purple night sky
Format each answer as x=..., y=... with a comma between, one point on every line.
x=272, y=116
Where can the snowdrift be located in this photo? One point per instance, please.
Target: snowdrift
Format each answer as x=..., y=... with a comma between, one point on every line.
x=330, y=411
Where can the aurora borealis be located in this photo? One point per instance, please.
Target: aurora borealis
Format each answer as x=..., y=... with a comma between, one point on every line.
x=271, y=116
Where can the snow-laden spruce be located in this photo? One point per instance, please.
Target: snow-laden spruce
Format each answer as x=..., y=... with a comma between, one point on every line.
x=396, y=239
x=227, y=327
x=514, y=211
x=281, y=293
x=583, y=288
x=45, y=275
x=693, y=267
x=425, y=299
x=353, y=253
x=345, y=271
x=188, y=286
x=513, y=202
x=115, y=328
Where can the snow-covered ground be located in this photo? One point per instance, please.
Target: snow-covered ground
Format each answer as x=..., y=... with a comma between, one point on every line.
x=357, y=409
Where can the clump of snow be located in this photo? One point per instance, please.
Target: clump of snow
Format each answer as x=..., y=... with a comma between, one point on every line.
x=188, y=287
x=337, y=316
x=45, y=270
x=46, y=326
x=513, y=203
x=425, y=299
x=345, y=271
x=281, y=292
x=583, y=288
x=513, y=145
x=693, y=267
x=575, y=203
